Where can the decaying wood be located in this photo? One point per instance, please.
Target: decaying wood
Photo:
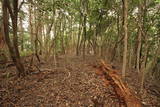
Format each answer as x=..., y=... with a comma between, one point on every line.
x=121, y=90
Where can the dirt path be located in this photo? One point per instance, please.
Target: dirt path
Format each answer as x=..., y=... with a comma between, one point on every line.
x=72, y=83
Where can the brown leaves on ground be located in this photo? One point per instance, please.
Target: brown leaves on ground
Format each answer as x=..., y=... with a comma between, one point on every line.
x=71, y=83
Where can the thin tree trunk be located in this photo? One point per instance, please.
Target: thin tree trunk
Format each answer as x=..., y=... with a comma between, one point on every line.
x=31, y=26
x=14, y=24
x=21, y=34
x=114, y=51
x=13, y=49
x=63, y=34
x=85, y=34
x=36, y=43
x=125, y=16
x=78, y=42
x=139, y=40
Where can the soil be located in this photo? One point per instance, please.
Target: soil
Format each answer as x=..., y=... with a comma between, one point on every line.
x=71, y=82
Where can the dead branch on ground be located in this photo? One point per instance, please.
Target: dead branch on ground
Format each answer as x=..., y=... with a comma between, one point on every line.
x=122, y=92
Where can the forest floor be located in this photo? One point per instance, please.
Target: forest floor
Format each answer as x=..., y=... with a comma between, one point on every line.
x=72, y=82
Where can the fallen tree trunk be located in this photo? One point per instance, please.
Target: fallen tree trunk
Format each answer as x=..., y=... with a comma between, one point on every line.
x=122, y=92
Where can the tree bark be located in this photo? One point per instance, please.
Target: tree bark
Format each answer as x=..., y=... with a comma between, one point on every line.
x=84, y=34
x=139, y=39
x=21, y=34
x=13, y=48
x=125, y=16
x=79, y=35
x=31, y=26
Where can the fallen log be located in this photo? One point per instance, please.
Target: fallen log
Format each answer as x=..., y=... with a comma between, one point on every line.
x=122, y=92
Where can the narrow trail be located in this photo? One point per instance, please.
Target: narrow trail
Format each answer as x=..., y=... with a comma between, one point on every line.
x=72, y=83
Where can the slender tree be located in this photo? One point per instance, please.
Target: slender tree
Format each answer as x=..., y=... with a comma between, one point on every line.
x=139, y=39
x=125, y=24
x=13, y=48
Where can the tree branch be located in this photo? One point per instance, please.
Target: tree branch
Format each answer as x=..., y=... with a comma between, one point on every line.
x=9, y=8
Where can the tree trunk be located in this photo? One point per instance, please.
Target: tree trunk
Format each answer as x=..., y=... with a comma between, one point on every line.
x=37, y=41
x=139, y=40
x=125, y=16
x=84, y=34
x=21, y=34
x=114, y=50
x=78, y=42
x=31, y=26
x=13, y=48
